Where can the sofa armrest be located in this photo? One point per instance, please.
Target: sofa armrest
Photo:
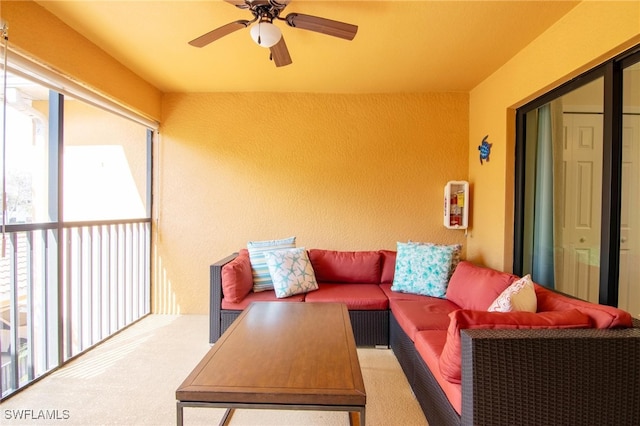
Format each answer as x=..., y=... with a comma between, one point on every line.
x=215, y=296
x=534, y=377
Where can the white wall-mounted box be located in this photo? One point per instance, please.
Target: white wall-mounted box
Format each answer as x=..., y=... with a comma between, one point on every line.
x=456, y=204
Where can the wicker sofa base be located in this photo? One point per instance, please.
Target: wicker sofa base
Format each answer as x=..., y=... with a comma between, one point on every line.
x=533, y=377
x=226, y=319
x=432, y=400
x=370, y=328
x=551, y=377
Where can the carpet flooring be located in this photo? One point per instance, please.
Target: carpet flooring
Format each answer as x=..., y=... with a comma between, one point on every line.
x=131, y=380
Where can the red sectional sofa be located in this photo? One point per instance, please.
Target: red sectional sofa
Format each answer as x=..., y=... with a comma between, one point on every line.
x=570, y=362
x=357, y=279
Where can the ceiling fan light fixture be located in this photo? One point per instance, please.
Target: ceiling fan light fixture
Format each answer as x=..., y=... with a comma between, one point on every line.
x=265, y=34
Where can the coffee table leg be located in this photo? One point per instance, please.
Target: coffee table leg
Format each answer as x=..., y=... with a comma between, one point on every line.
x=179, y=420
x=356, y=418
x=227, y=417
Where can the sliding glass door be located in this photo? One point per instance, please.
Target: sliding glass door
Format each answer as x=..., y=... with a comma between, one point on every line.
x=578, y=186
x=565, y=142
x=629, y=282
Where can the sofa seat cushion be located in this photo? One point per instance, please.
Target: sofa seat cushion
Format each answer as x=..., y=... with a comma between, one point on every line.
x=261, y=296
x=357, y=297
x=398, y=295
x=429, y=345
x=237, y=277
x=474, y=287
x=417, y=315
x=602, y=316
x=332, y=266
x=450, y=359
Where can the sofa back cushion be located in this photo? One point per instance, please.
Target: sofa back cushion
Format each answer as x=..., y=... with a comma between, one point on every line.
x=475, y=287
x=388, y=259
x=602, y=316
x=450, y=359
x=353, y=267
x=237, y=278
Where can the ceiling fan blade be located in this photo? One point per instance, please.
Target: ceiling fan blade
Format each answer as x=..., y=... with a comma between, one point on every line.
x=280, y=53
x=280, y=3
x=214, y=35
x=322, y=25
x=240, y=4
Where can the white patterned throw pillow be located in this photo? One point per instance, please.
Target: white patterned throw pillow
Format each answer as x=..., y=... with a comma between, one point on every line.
x=291, y=272
x=259, y=269
x=519, y=296
x=422, y=269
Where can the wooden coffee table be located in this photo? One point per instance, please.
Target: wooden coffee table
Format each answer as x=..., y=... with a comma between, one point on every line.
x=284, y=356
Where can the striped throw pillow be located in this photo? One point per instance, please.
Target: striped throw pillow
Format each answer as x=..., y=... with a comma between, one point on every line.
x=259, y=268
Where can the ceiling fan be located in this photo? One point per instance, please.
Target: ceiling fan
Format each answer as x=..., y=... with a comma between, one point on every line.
x=266, y=34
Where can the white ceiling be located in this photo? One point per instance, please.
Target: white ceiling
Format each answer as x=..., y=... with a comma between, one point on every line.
x=401, y=46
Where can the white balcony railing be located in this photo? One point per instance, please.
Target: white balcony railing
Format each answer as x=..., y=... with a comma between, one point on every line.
x=63, y=290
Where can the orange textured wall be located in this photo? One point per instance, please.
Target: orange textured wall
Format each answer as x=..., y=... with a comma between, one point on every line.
x=345, y=172
x=39, y=35
x=589, y=34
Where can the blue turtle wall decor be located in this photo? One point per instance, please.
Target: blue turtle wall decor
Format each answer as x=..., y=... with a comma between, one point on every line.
x=485, y=149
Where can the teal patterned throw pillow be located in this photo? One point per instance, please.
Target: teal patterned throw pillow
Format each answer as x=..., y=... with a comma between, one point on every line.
x=455, y=258
x=291, y=272
x=259, y=269
x=422, y=269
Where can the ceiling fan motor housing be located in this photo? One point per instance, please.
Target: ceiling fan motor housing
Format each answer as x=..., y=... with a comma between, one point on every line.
x=266, y=10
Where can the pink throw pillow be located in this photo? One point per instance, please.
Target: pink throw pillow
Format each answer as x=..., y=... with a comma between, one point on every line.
x=451, y=357
x=237, y=278
x=475, y=287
